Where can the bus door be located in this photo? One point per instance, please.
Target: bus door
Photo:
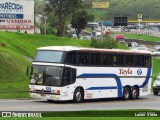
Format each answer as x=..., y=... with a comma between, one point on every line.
x=69, y=77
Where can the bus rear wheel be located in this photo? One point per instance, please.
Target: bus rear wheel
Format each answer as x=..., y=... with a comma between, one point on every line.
x=134, y=93
x=50, y=101
x=78, y=95
x=126, y=93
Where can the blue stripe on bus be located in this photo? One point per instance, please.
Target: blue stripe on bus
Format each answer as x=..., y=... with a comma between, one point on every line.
x=147, y=78
x=101, y=88
x=119, y=84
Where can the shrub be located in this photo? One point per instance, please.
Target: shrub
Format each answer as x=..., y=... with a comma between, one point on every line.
x=103, y=42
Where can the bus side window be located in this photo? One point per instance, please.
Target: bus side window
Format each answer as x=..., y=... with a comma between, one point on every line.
x=71, y=58
x=129, y=60
x=96, y=59
x=148, y=61
x=92, y=59
x=83, y=58
x=139, y=60
x=107, y=59
x=118, y=60
x=114, y=60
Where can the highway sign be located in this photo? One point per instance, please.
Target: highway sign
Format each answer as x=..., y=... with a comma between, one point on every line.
x=139, y=16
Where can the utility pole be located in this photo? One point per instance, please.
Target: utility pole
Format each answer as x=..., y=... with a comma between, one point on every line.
x=45, y=20
x=139, y=20
x=139, y=26
x=45, y=17
x=34, y=17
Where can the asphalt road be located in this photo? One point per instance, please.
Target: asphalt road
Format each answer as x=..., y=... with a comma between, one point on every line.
x=145, y=102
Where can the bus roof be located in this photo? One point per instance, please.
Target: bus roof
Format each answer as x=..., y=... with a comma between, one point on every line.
x=75, y=48
x=59, y=48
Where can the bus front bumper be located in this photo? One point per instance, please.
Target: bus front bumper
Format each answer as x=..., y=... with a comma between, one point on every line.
x=45, y=96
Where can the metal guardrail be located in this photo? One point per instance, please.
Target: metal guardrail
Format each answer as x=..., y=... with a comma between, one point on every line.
x=144, y=21
x=142, y=42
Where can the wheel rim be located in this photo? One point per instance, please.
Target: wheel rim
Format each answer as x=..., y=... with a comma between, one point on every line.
x=78, y=96
x=134, y=93
x=126, y=93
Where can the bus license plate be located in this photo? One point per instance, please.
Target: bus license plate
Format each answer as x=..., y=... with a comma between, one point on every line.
x=43, y=95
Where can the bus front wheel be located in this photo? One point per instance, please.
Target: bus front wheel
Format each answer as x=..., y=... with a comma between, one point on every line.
x=78, y=95
x=126, y=93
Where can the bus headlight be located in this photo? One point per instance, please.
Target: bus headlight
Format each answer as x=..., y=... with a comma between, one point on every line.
x=57, y=92
x=154, y=85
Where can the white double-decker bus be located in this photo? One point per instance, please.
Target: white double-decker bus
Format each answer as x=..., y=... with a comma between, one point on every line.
x=71, y=73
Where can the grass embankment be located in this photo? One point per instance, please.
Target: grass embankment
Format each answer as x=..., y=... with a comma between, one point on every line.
x=141, y=37
x=13, y=79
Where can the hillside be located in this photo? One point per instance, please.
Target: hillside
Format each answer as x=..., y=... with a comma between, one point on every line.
x=13, y=80
x=128, y=8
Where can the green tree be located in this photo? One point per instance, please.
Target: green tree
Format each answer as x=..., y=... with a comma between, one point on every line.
x=39, y=19
x=63, y=9
x=79, y=20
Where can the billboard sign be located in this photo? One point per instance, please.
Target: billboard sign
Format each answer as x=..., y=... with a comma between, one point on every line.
x=16, y=13
x=100, y=4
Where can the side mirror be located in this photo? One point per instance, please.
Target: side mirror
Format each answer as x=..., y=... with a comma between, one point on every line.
x=28, y=71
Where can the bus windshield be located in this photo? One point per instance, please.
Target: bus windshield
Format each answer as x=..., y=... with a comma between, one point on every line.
x=46, y=75
x=48, y=56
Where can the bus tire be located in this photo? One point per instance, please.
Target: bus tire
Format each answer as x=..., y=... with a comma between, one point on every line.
x=134, y=93
x=50, y=101
x=78, y=95
x=126, y=93
x=155, y=93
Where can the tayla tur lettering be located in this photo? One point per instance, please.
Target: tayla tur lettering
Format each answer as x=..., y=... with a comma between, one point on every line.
x=125, y=71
